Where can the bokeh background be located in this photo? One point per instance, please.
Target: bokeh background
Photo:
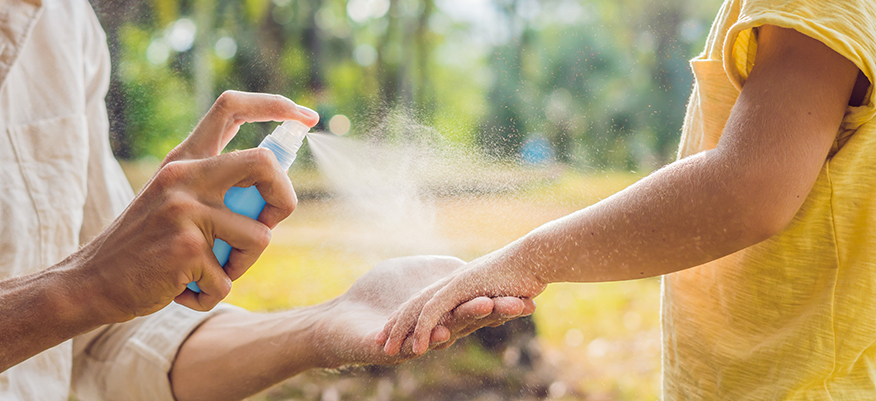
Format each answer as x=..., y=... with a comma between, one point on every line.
x=563, y=102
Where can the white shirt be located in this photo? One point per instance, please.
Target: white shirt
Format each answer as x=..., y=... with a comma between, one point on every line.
x=59, y=186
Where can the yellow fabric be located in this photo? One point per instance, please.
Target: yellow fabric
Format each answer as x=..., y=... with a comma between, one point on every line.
x=794, y=317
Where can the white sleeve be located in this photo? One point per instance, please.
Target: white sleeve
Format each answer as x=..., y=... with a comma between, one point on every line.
x=131, y=360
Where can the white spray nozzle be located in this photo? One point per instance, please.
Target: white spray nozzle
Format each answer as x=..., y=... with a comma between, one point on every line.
x=291, y=132
x=285, y=141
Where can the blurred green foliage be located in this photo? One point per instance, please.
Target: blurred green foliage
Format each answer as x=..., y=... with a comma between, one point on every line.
x=604, y=81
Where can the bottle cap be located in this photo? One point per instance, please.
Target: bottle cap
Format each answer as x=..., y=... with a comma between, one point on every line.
x=291, y=133
x=285, y=141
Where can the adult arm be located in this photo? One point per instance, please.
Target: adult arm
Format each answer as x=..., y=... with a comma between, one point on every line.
x=236, y=354
x=693, y=211
x=161, y=242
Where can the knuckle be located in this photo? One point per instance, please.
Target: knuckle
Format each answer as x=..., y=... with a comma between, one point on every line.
x=226, y=100
x=256, y=161
x=287, y=205
x=262, y=157
x=170, y=174
x=178, y=206
x=226, y=288
x=280, y=99
x=176, y=153
x=223, y=288
x=262, y=237
x=188, y=245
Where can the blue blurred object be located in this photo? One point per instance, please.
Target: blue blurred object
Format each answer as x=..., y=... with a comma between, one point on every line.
x=537, y=150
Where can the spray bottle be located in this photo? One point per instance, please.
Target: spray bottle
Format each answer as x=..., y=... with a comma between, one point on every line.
x=284, y=142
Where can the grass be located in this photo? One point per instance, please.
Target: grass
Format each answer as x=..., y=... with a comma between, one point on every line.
x=602, y=341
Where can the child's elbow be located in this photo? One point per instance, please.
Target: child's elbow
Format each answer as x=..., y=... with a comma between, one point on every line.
x=766, y=220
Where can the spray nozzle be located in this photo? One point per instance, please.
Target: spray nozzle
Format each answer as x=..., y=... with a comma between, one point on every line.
x=285, y=141
x=290, y=132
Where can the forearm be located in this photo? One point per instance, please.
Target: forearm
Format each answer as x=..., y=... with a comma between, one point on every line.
x=703, y=207
x=42, y=310
x=749, y=187
x=691, y=212
x=237, y=354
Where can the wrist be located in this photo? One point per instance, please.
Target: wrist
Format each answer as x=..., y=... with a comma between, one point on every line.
x=55, y=295
x=78, y=296
x=520, y=261
x=320, y=345
x=85, y=290
x=531, y=258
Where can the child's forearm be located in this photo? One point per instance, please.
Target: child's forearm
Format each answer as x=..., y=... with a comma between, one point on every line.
x=691, y=212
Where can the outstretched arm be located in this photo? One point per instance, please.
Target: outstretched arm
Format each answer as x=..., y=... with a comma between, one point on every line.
x=234, y=355
x=693, y=211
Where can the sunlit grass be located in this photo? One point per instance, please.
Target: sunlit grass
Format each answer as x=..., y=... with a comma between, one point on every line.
x=602, y=338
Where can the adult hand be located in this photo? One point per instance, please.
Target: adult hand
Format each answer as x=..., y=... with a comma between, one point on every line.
x=410, y=328
x=163, y=241
x=349, y=332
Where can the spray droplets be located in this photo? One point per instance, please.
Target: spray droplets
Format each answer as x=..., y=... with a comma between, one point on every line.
x=379, y=187
x=388, y=183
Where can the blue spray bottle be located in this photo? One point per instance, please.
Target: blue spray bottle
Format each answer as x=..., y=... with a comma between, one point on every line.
x=284, y=142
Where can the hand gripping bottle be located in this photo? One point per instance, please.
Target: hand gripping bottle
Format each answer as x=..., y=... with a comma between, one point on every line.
x=284, y=142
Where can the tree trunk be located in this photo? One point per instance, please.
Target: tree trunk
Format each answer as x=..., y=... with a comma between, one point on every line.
x=202, y=71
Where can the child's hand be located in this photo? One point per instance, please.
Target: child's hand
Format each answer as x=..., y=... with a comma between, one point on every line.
x=346, y=331
x=482, y=277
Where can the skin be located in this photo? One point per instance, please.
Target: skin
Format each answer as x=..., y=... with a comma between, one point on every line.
x=690, y=212
x=164, y=240
x=267, y=348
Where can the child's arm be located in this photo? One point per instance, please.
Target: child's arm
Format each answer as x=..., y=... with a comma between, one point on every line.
x=693, y=211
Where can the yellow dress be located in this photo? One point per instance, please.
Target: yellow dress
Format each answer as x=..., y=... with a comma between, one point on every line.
x=794, y=317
